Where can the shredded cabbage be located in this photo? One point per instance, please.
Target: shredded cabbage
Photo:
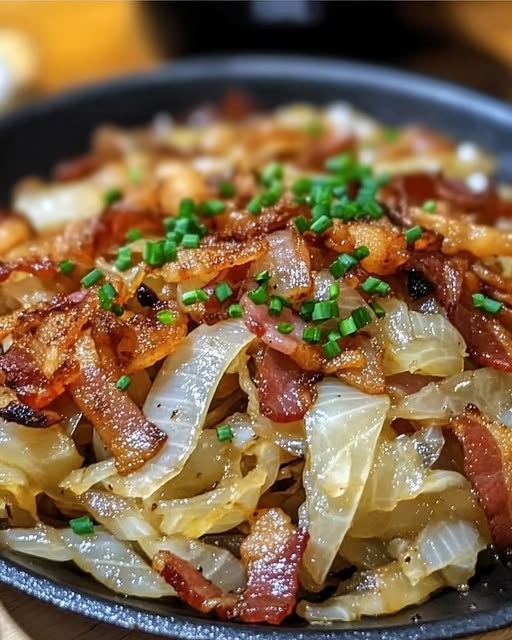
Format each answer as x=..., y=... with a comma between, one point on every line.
x=490, y=390
x=449, y=546
x=424, y=343
x=196, y=366
x=342, y=429
x=112, y=562
x=377, y=592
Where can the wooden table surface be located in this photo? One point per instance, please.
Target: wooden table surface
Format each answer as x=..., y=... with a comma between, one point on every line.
x=120, y=44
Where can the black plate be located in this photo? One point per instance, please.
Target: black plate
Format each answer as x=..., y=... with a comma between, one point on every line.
x=32, y=140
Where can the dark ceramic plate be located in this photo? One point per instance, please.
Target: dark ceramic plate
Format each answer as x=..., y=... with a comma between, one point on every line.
x=34, y=139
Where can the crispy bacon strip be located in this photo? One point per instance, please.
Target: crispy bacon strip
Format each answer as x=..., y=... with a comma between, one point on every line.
x=285, y=391
x=211, y=259
x=488, y=342
x=487, y=448
x=140, y=340
x=130, y=438
x=25, y=415
x=75, y=168
x=192, y=587
x=115, y=222
x=40, y=267
x=241, y=225
x=272, y=553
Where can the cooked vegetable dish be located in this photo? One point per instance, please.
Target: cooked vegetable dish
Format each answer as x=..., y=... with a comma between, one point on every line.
x=261, y=362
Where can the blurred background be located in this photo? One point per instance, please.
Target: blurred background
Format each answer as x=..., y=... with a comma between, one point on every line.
x=46, y=47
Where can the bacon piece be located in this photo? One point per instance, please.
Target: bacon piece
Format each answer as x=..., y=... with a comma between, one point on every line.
x=458, y=234
x=272, y=553
x=241, y=225
x=210, y=259
x=359, y=364
x=488, y=342
x=262, y=324
x=487, y=448
x=141, y=340
x=126, y=433
x=115, y=222
x=75, y=168
x=192, y=587
x=387, y=245
x=40, y=267
x=285, y=391
x=25, y=415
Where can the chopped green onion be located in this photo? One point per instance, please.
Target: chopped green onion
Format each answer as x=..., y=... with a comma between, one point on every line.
x=377, y=310
x=321, y=224
x=106, y=293
x=123, y=382
x=392, y=133
x=259, y=295
x=117, y=310
x=182, y=225
x=302, y=186
x=375, y=285
x=333, y=335
x=165, y=317
x=342, y=264
x=306, y=310
x=224, y=433
x=411, y=235
x=301, y=224
x=334, y=291
x=361, y=317
x=226, y=189
x=190, y=241
x=254, y=206
x=135, y=175
x=82, y=526
x=285, y=327
x=223, y=291
x=273, y=194
x=112, y=195
x=347, y=326
x=360, y=253
x=66, y=267
x=187, y=208
x=312, y=335
x=170, y=251
x=196, y=295
x=489, y=305
x=323, y=311
x=429, y=206
x=175, y=236
x=340, y=163
x=213, y=207
x=275, y=306
x=154, y=253
x=262, y=276
x=320, y=210
x=124, y=258
x=331, y=349
x=92, y=278
x=321, y=194
x=133, y=234
x=272, y=172
x=235, y=310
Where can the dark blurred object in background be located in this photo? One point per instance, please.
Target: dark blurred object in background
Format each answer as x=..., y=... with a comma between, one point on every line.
x=414, y=35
